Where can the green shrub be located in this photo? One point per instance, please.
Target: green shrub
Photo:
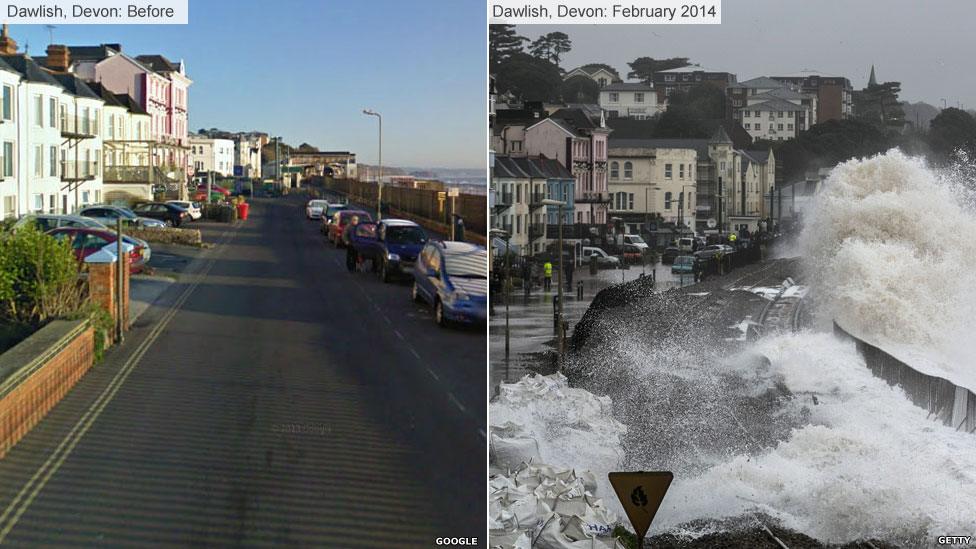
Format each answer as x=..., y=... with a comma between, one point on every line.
x=38, y=278
x=101, y=321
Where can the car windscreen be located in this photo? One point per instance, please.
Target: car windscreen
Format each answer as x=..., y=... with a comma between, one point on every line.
x=126, y=212
x=684, y=259
x=405, y=235
x=467, y=265
x=318, y=204
x=636, y=239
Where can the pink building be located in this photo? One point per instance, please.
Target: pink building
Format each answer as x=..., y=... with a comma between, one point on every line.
x=580, y=144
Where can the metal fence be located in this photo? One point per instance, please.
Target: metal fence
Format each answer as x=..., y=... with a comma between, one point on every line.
x=951, y=404
x=420, y=202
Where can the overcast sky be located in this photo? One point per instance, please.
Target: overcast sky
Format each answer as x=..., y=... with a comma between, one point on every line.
x=928, y=46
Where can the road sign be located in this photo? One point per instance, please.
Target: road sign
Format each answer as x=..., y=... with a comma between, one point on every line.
x=641, y=493
x=453, y=191
x=711, y=223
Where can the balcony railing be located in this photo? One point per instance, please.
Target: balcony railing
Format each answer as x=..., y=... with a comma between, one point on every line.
x=537, y=230
x=78, y=126
x=78, y=171
x=592, y=197
x=535, y=200
x=138, y=174
x=505, y=199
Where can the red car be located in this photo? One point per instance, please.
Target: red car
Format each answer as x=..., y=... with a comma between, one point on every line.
x=339, y=222
x=86, y=241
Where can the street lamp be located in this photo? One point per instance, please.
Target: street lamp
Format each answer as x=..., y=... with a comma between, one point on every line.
x=507, y=238
x=559, y=208
x=379, y=178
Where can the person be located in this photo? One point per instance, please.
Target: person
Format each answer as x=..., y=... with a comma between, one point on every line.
x=351, y=256
x=568, y=269
x=459, y=229
x=547, y=268
x=527, y=276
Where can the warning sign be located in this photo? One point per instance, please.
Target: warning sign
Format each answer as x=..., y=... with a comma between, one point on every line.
x=641, y=493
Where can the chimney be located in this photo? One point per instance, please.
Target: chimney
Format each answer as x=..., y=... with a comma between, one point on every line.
x=58, y=57
x=7, y=44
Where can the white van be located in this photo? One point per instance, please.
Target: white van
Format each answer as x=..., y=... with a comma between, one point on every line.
x=636, y=241
x=686, y=244
x=602, y=257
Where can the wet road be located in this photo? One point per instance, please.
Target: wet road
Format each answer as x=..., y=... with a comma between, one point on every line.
x=269, y=396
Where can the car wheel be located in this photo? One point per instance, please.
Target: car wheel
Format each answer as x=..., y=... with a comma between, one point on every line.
x=416, y=293
x=439, y=314
x=169, y=222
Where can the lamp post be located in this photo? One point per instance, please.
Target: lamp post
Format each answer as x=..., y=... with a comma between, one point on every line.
x=681, y=209
x=507, y=238
x=379, y=178
x=559, y=340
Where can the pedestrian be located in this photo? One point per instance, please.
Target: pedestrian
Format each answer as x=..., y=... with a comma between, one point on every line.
x=459, y=229
x=352, y=258
x=568, y=269
x=527, y=276
x=547, y=273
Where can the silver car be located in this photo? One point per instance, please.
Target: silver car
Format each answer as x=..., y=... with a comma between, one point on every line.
x=107, y=214
x=46, y=222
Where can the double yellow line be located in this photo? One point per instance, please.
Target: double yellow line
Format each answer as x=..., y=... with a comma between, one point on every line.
x=25, y=497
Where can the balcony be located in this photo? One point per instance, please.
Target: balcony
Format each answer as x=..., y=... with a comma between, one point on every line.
x=535, y=200
x=536, y=231
x=592, y=197
x=76, y=127
x=78, y=171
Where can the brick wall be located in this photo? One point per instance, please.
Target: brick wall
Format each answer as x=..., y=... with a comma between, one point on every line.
x=39, y=372
x=101, y=287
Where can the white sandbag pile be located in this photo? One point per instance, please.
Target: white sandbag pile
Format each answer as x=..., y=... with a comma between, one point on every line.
x=545, y=507
x=539, y=420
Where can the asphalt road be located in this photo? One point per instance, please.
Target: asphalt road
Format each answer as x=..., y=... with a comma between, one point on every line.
x=268, y=397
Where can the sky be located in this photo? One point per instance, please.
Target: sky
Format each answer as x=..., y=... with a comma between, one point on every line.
x=927, y=46
x=305, y=70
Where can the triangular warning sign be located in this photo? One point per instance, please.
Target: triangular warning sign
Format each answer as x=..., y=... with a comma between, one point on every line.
x=641, y=493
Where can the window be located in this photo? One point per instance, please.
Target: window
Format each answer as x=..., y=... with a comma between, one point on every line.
x=516, y=146
x=756, y=114
x=8, y=159
x=614, y=170
x=667, y=172
x=630, y=201
x=669, y=78
x=779, y=114
x=628, y=170
x=667, y=201
x=614, y=97
x=779, y=127
x=748, y=126
x=789, y=127
x=638, y=97
x=53, y=159
x=38, y=111
x=721, y=166
x=52, y=112
x=681, y=171
x=38, y=202
x=38, y=161
x=10, y=206
x=8, y=98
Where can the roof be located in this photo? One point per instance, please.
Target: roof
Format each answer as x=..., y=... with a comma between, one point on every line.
x=698, y=145
x=94, y=53
x=591, y=71
x=775, y=105
x=628, y=86
x=76, y=86
x=760, y=157
x=542, y=167
x=127, y=101
x=106, y=95
x=505, y=167
x=760, y=82
x=29, y=69
x=689, y=68
x=720, y=136
x=157, y=63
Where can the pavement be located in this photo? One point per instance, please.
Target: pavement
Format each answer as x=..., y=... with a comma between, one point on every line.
x=267, y=396
x=530, y=321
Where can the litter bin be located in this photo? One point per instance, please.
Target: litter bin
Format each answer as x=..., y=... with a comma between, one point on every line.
x=242, y=209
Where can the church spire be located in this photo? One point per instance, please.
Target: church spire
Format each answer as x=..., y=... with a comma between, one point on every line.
x=872, y=81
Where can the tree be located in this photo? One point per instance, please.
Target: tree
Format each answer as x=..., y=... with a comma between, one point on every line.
x=829, y=143
x=529, y=78
x=551, y=46
x=702, y=101
x=879, y=104
x=643, y=68
x=503, y=42
x=580, y=89
x=951, y=131
x=680, y=122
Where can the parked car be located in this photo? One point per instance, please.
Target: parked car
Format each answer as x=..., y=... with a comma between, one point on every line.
x=170, y=214
x=46, y=222
x=107, y=214
x=315, y=208
x=339, y=222
x=683, y=264
x=392, y=246
x=603, y=259
x=633, y=254
x=669, y=254
x=453, y=278
x=86, y=241
x=328, y=216
x=193, y=208
x=636, y=241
